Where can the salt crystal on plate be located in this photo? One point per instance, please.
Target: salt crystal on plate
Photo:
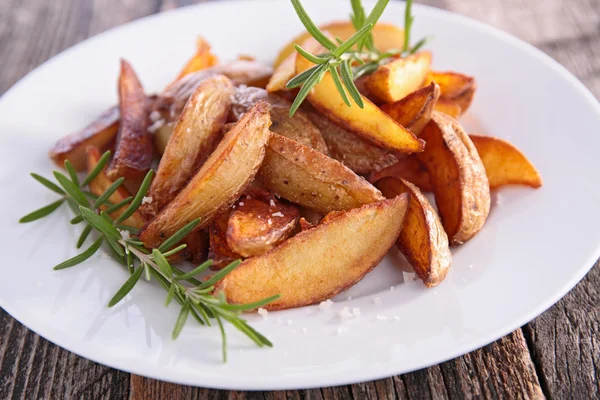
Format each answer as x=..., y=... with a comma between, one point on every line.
x=147, y=200
x=377, y=301
x=345, y=314
x=356, y=312
x=262, y=312
x=324, y=305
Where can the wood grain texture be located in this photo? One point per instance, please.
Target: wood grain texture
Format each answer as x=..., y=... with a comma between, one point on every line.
x=564, y=341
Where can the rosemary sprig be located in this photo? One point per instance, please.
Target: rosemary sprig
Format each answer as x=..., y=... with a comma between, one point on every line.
x=196, y=297
x=350, y=59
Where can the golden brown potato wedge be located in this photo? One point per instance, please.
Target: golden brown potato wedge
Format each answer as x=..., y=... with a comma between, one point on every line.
x=369, y=122
x=386, y=37
x=454, y=86
x=422, y=239
x=341, y=252
x=99, y=133
x=298, y=127
x=197, y=246
x=162, y=136
x=220, y=181
x=220, y=252
x=313, y=180
x=256, y=226
x=100, y=185
x=204, y=58
x=395, y=80
x=133, y=154
x=282, y=74
x=194, y=137
x=357, y=154
x=457, y=175
x=504, y=163
x=407, y=168
x=448, y=106
x=414, y=111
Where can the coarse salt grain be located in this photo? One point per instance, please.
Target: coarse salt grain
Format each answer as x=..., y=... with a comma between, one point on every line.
x=262, y=312
x=188, y=130
x=105, y=256
x=124, y=234
x=146, y=200
x=349, y=298
x=407, y=276
x=272, y=203
x=154, y=116
x=277, y=214
x=382, y=317
x=392, y=288
x=470, y=266
x=156, y=125
x=341, y=330
x=38, y=283
x=356, y=312
x=289, y=322
x=241, y=203
x=324, y=305
x=345, y=314
x=248, y=197
x=377, y=301
x=269, y=221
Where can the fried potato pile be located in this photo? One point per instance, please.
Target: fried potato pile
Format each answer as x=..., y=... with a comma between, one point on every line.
x=310, y=202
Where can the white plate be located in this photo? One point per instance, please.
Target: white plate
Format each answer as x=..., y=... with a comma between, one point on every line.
x=535, y=246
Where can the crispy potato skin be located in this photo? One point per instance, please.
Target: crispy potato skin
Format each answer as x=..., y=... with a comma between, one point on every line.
x=220, y=252
x=370, y=122
x=408, y=168
x=99, y=133
x=457, y=176
x=454, y=86
x=253, y=229
x=311, y=179
x=395, y=80
x=102, y=182
x=422, y=239
x=414, y=111
x=204, y=58
x=504, y=163
x=386, y=37
x=348, y=148
x=133, y=155
x=342, y=251
x=298, y=127
x=220, y=181
x=194, y=137
x=448, y=106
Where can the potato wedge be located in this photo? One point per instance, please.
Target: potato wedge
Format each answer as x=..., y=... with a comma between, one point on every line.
x=395, y=80
x=422, y=239
x=414, y=111
x=369, y=122
x=197, y=246
x=313, y=180
x=220, y=252
x=454, y=86
x=386, y=37
x=99, y=133
x=298, y=127
x=407, y=168
x=220, y=181
x=133, y=154
x=448, y=106
x=194, y=137
x=504, y=163
x=100, y=185
x=204, y=58
x=341, y=252
x=256, y=226
x=282, y=74
x=355, y=153
x=162, y=136
x=457, y=175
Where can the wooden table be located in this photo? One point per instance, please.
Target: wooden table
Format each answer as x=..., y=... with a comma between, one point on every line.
x=557, y=355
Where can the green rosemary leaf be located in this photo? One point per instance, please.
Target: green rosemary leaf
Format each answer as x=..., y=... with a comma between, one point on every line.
x=170, y=294
x=129, y=261
x=117, y=256
x=314, y=78
x=223, y=338
x=106, y=195
x=106, y=217
x=76, y=220
x=173, y=251
x=119, y=205
x=162, y=263
x=183, y=315
x=310, y=57
x=365, y=69
x=47, y=183
x=420, y=44
x=299, y=79
x=251, y=306
x=349, y=83
x=262, y=338
x=377, y=11
x=338, y=84
x=193, y=281
x=73, y=206
x=100, y=223
x=137, y=200
x=196, y=316
x=206, y=313
x=84, y=235
x=352, y=40
x=408, y=19
x=127, y=286
x=198, y=270
x=358, y=14
x=42, y=212
x=78, y=259
x=128, y=228
x=179, y=235
x=115, y=246
x=72, y=173
x=221, y=274
x=71, y=189
x=311, y=27
x=243, y=327
x=97, y=169
x=134, y=242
